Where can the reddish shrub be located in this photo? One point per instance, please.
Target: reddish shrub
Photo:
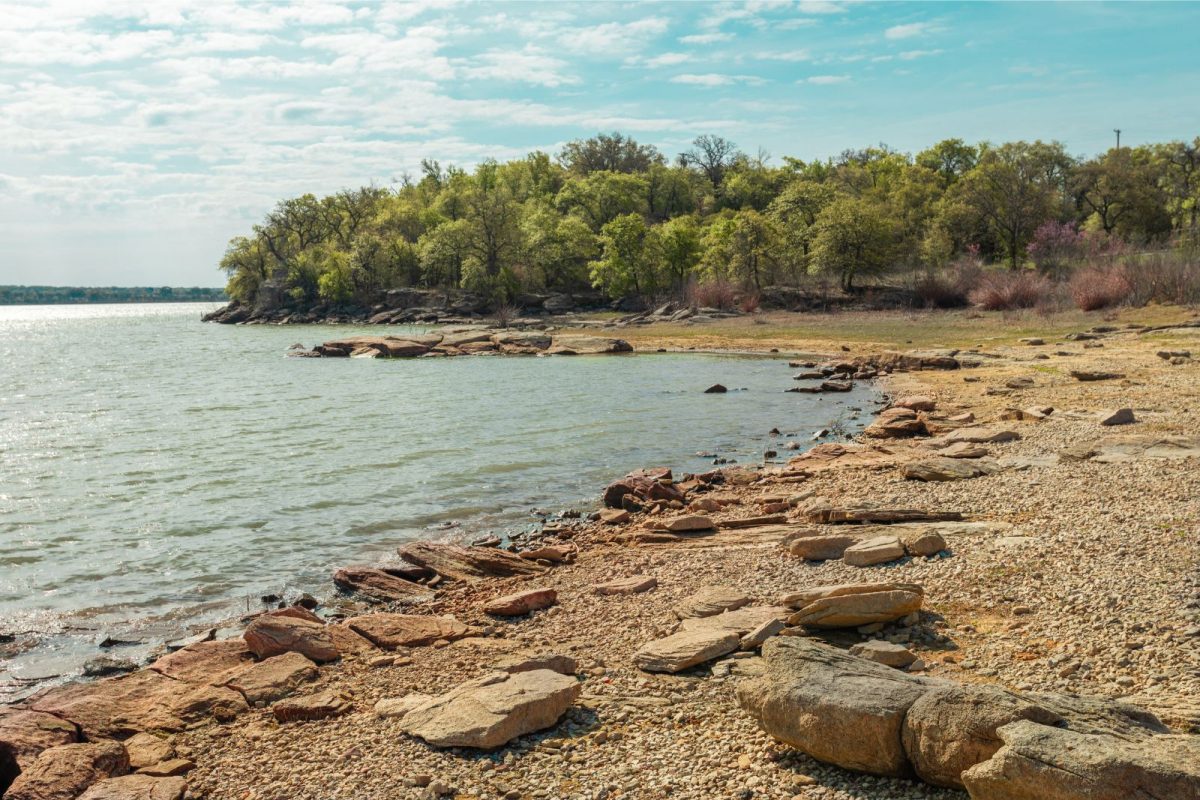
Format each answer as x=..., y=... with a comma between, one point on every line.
x=1093, y=288
x=1004, y=291
x=750, y=303
x=712, y=294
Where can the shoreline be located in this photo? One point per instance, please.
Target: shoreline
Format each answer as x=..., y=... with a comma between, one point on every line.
x=611, y=719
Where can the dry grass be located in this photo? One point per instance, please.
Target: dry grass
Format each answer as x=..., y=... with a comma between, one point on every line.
x=881, y=330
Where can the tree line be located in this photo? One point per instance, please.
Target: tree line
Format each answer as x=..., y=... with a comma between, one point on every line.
x=63, y=295
x=616, y=215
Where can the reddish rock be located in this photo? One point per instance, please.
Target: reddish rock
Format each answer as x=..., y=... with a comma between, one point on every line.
x=635, y=584
x=140, y=701
x=272, y=636
x=390, y=631
x=457, y=563
x=329, y=703
x=296, y=612
x=348, y=642
x=206, y=662
x=373, y=583
x=274, y=678
x=514, y=605
x=136, y=787
x=146, y=749
x=64, y=772
x=25, y=734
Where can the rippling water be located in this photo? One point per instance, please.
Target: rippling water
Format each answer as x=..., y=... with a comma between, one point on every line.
x=156, y=470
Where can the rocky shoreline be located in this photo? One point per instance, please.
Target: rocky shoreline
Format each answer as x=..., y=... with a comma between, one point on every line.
x=990, y=590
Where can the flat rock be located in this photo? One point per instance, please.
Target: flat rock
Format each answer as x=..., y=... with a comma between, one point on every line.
x=692, y=522
x=374, y=584
x=896, y=423
x=136, y=787
x=273, y=635
x=863, y=512
x=916, y=402
x=491, y=711
x=458, y=563
x=322, y=705
x=274, y=678
x=1038, y=762
x=709, y=601
x=390, y=631
x=146, y=749
x=528, y=662
x=823, y=547
x=878, y=550
x=1089, y=375
x=169, y=768
x=948, y=469
x=139, y=702
x=615, y=516
x=525, y=602
x=756, y=638
x=65, y=771
x=686, y=649
x=980, y=434
x=964, y=450
x=206, y=662
x=852, y=605
x=635, y=584
x=889, y=654
x=587, y=345
x=740, y=621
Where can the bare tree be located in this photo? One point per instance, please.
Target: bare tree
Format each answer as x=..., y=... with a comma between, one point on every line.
x=713, y=155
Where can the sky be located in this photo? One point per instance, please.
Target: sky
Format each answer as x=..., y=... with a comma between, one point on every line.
x=139, y=136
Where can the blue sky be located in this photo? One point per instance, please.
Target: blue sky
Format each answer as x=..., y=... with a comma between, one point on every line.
x=140, y=136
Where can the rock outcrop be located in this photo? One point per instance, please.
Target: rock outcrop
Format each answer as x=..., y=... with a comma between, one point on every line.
x=272, y=636
x=852, y=605
x=390, y=631
x=456, y=563
x=64, y=772
x=373, y=583
x=687, y=648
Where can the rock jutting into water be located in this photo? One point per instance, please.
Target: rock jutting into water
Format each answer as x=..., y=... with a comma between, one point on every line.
x=458, y=342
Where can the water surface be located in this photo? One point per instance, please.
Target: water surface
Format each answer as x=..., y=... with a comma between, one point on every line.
x=155, y=470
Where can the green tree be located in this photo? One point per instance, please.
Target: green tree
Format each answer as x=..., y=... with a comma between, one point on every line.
x=679, y=244
x=628, y=262
x=853, y=237
x=601, y=197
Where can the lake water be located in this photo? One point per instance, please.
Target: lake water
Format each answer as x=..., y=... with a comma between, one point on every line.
x=157, y=472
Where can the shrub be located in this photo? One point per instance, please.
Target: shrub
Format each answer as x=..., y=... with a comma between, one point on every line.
x=750, y=303
x=1054, y=245
x=949, y=289
x=1094, y=288
x=505, y=313
x=712, y=294
x=1168, y=277
x=1005, y=291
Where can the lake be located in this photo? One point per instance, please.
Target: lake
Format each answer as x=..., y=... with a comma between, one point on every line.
x=158, y=472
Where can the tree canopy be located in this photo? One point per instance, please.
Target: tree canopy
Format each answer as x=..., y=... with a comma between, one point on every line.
x=612, y=214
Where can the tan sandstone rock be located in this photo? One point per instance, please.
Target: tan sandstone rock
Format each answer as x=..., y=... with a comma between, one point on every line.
x=64, y=772
x=520, y=603
x=136, y=787
x=272, y=636
x=687, y=648
x=708, y=601
x=878, y=550
x=390, y=631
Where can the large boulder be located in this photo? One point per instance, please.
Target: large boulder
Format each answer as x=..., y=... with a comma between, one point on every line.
x=1038, y=762
x=212, y=662
x=644, y=486
x=685, y=649
x=375, y=584
x=834, y=706
x=274, y=635
x=876, y=550
x=587, y=345
x=458, y=563
x=822, y=548
x=491, y=711
x=64, y=772
x=852, y=605
x=896, y=423
x=952, y=728
x=390, y=631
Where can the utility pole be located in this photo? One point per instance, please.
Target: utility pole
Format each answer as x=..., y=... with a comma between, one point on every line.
x=1117, y=131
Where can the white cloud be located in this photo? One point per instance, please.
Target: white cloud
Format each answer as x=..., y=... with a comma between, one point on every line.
x=716, y=79
x=783, y=55
x=613, y=37
x=667, y=60
x=821, y=7
x=526, y=66
x=908, y=30
x=826, y=80
x=706, y=38
x=909, y=55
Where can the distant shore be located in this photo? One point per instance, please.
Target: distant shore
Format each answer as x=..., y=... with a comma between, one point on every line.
x=88, y=295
